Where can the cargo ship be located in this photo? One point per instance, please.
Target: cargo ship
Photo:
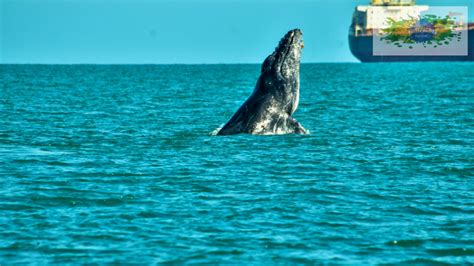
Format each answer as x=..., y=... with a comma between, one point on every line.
x=368, y=20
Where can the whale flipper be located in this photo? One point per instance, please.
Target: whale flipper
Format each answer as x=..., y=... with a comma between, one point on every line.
x=294, y=127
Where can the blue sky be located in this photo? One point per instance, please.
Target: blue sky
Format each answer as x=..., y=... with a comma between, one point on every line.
x=174, y=31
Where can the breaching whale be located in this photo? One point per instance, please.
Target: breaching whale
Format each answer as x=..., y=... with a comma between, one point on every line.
x=269, y=109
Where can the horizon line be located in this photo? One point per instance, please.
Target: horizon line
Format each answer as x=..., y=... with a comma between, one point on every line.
x=171, y=64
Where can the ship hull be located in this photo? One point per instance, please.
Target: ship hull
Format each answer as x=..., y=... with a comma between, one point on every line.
x=362, y=48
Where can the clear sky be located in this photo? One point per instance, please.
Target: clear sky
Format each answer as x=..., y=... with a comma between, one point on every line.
x=174, y=31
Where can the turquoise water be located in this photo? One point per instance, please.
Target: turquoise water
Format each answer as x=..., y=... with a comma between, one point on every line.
x=118, y=164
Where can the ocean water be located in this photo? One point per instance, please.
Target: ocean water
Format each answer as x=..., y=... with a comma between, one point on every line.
x=118, y=164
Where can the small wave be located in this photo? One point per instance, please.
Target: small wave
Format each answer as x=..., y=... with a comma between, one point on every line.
x=446, y=252
x=216, y=131
x=407, y=243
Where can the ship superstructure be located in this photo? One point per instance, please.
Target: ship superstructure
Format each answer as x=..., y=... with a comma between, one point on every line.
x=370, y=17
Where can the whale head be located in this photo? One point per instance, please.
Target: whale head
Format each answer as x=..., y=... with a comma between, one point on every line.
x=281, y=71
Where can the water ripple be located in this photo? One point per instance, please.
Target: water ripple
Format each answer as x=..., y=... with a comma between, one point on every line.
x=118, y=164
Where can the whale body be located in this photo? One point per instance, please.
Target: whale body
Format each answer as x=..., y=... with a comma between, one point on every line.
x=269, y=110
